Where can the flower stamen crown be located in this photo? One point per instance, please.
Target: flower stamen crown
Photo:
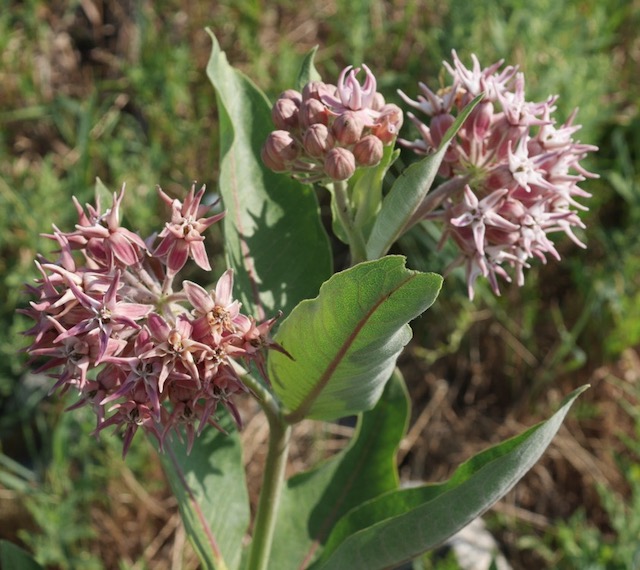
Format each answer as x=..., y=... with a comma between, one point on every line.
x=512, y=171
x=110, y=325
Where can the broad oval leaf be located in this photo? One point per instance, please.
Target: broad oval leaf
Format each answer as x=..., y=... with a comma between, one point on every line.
x=400, y=525
x=209, y=484
x=274, y=238
x=408, y=192
x=312, y=502
x=345, y=342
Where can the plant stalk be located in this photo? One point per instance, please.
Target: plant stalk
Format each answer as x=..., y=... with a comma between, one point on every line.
x=273, y=478
x=272, y=481
x=357, y=246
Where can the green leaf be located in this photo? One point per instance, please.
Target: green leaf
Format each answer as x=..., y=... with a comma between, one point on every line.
x=408, y=192
x=102, y=195
x=401, y=525
x=308, y=71
x=345, y=342
x=12, y=557
x=314, y=501
x=209, y=484
x=275, y=241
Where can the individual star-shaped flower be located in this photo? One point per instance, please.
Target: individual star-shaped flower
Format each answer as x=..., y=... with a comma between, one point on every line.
x=479, y=214
x=106, y=238
x=351, y=96
x=182, y=236
x=174, y=346
x=215, y=310
x=104, y=313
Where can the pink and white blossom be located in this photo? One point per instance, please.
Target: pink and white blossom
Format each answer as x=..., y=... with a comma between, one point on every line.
x=109, y=325
x=511, y=174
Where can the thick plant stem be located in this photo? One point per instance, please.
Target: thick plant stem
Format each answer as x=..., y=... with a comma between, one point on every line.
x=273, y=478
x=272, y=481
x=357, y=246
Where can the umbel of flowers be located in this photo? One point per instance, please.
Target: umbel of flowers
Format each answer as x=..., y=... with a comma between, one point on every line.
x=327, y=131
x=511, y=172
x=112, y=325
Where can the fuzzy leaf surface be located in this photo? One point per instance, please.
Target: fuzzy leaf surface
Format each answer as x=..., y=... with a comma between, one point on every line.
x=400, y=525
x=345, y=342
x=275, y=241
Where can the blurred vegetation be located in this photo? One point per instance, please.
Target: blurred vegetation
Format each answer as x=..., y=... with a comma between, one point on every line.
x=116, y=89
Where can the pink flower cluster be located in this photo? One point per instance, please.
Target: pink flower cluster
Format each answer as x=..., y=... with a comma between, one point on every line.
x=512, y=172
x=110, y=325
x=327, y=131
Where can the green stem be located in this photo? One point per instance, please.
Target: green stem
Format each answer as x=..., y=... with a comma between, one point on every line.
x=357, y=246
x=272, y=481
x=273, y=478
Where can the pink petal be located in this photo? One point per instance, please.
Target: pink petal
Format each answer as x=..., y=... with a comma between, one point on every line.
x=164, y=373
x=178, y=256
x=200, y=300
x=184, y=328
x=133, y=237
x=165, y=245
x=199, y=254
x=123, y=250
x=224, y=288
x=158, y=326
x=132, y=311
x=470, y=198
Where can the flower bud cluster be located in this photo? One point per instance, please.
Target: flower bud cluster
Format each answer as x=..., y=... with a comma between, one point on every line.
x=513, y=171
x=110, y=326
x=327, y=131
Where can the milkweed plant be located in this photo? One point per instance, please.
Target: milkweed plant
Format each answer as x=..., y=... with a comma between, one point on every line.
x=151, y=352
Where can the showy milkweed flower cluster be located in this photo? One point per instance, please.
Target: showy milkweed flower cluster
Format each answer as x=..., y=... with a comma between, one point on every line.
x=110, y=324
x=327, y=131
x=513, y=171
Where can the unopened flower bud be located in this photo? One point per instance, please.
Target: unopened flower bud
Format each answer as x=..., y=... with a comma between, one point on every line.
x=388, y=124
x=368, y=151
x=285, y=114
x=318, y=140
x=312, y=112
x=339, y=164
x=347, y=128
x=292, y=94
x=378, y=102
x=315, y=90
x=274, y=164
x=279, y=148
